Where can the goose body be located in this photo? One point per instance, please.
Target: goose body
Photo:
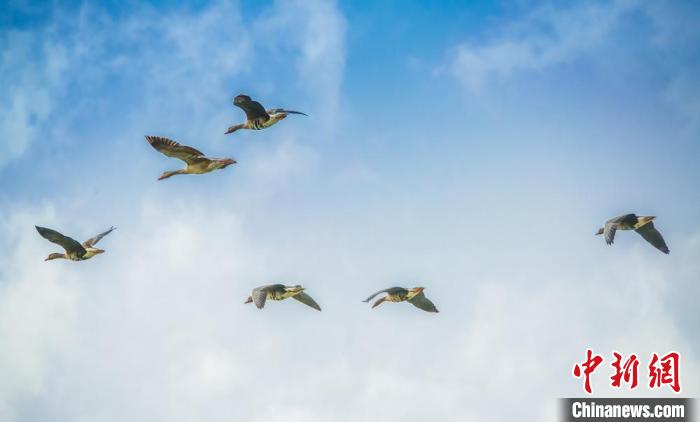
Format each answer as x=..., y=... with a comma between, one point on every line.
x=414, y=296
x=257, y=117
x=280, y=292
x=641, y=224
x=197, y=162
x=74, y=251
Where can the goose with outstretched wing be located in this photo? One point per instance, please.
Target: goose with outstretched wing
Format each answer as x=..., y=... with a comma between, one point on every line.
x=75, y=251
x=280, y=292
x=642, y=225
x=257, y=117
x=414, y=296
x=197, y=162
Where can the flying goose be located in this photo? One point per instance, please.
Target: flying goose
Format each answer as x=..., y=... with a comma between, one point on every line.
x=256, y=116
x=74, y=250
x=415, y=296
x=280, y=292
x=642, y=225
x=196, y=162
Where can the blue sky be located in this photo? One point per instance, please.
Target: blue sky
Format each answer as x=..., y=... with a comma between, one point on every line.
x=472, y=148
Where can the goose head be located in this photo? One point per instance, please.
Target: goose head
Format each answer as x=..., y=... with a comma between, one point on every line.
x=225, y=162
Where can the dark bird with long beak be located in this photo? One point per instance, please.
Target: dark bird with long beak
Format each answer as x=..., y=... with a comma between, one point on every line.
x=280, y=292
x=256, y=116
x=197, y=162
x=75, y=251
x=642, y=225
x=414, y=296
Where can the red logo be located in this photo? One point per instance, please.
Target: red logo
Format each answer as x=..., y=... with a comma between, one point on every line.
x=626, y=371
x=589, y=366
x=662, y=370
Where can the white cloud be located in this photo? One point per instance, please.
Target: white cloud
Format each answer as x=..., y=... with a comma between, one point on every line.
x=317, y=33
x=626, y=39
x=32, y=68
x=155, y=329
x=184, y=64
x=542, y=38
x=139, y=323
x=159, y=325
x=37, y=312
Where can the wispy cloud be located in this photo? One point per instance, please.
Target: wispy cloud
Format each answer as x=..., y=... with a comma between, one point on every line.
x=167, y=71
x=32, y=66
x=155, y=329
x=544, y=37
x=37, y=314
x=619, y=38
x=319, y=49
x=168, y=340
x=191, y=63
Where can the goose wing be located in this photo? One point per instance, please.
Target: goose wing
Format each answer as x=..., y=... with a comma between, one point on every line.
x=282, y=110
x=611, y=226
x=391, y=290
x=306, y=300
x=609, y=232
x=93, y=240
x=422, y=302
x=259, y=296
x=253, y=109
x=67, y=243
x=172, y=149
x=651, y=235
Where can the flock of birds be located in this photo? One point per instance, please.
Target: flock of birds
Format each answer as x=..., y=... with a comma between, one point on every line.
x=257, y=118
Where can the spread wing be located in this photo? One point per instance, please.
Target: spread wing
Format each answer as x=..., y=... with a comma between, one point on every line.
x=253, y=109
x=282, y=110
x=70, y=245
x=609, y=232
x=651, y=235
x=306, y=300
x=172, y=149
x=611, y=226
x=93, y=240
x=259, y=296
x=422, y=302
x=390, y=290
